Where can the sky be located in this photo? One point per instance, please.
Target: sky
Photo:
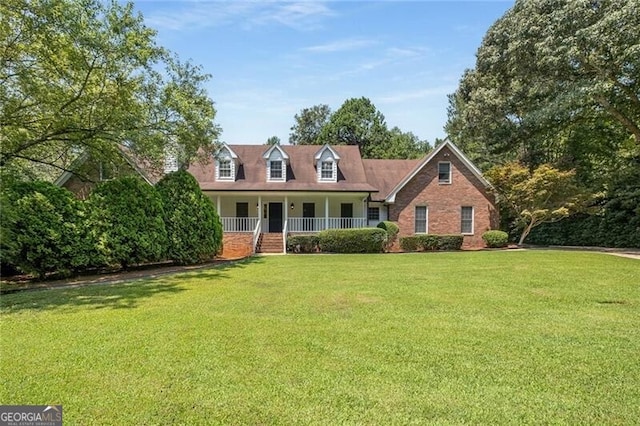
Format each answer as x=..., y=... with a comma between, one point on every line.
x=270, y=59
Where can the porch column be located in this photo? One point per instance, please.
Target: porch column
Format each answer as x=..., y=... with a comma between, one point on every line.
x=286, y=208
x=218, y=205
x=259, y=209
x=326, y=212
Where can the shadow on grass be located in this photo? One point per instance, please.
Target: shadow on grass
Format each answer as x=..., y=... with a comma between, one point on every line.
x=116, y=294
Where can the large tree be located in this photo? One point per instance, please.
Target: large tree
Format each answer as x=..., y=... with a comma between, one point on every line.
x=88, y=76
x=356, y=122
x=555, y=81
x=309, y=124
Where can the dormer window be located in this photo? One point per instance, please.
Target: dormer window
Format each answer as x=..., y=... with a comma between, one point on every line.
x=327, y=164
x=277, y=160
x=224, y=169
x=275, y=170
x=326, y=172
x=226, y=164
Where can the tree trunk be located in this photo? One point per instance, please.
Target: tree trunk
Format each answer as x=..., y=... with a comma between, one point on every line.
x=526, y=231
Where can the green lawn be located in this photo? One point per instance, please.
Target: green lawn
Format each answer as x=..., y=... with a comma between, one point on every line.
x=486, y=337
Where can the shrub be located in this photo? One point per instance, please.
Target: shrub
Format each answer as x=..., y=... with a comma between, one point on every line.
x=450, y=242
x=359, y=240
x=126, y=222
x=194, y=230
x=431, y=242
x=392, y=232
x=303, y=243
x=495, y=238
x=45, y=223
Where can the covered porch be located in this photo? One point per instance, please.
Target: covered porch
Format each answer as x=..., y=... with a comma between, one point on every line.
x=286, y=213
x=291, y=213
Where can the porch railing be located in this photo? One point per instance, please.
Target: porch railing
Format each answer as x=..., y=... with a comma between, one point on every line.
x=317, y=224
x=256, y=234
x=239, y=224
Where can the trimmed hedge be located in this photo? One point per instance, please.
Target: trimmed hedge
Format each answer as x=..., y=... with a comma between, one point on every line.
x=45, y=226
x=431, y=242
x=126, y=222
x=392, y=232
x=303, y=243
x=193, y=227
x=495, y=238
x=357, y=240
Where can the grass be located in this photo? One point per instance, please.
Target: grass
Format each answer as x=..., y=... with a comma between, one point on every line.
x=447, y=338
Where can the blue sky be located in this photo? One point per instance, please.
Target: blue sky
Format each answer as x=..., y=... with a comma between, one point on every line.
x=271, y=59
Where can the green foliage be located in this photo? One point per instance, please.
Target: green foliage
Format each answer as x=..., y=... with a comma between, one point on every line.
x=495, y=238
x=303, y=243
x=356, y=122
x=358, y=240
x=45, y=225
x=544, y=195
x=309, y=124
x=431, y=242
x=273, y=140
x=80, y=76
x=554, y=82
x=392, y=232
x=126, y=222
x=193, y=227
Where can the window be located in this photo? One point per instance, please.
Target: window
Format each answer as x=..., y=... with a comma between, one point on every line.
x=327, y=170
x=466, y=220
x=224, y=169
x=276, y=170
x=444, y=172
x=373, y=214
x=421, y=220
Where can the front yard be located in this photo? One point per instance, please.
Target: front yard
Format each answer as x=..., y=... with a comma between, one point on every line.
x=486, y=337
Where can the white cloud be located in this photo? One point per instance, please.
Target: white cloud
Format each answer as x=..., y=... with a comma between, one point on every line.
x=245, y=14
x=405, y=96
x=341, y=46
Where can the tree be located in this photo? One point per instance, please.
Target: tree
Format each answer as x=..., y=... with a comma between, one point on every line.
x=400, y=145
x=356, y=122
x=126, y=220
x=193, y=227
x=45, y=225
x=309, y=124
x=554, y=81
x=273, y=140
x=544, y=195
x=87, y=76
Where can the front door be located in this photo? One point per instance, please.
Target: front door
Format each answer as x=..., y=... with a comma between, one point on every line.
x=346, y=213
x=275, y=217
x=308, y=213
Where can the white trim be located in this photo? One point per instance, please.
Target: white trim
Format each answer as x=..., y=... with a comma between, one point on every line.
x=450, y=178
x=269, y=151
x=283, y=171
x=473, y=220
x=426, y=218
x=326, y=146
x=224, y=146
x=391, y=198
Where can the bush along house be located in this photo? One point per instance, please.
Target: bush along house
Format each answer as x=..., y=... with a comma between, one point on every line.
x=265, y=193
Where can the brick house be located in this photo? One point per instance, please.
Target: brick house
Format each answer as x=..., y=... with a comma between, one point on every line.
x=265, y=193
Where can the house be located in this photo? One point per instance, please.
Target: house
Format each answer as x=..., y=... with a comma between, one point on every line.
x=263, y=194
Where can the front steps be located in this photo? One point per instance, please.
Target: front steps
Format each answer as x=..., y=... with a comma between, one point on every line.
x=270, y=242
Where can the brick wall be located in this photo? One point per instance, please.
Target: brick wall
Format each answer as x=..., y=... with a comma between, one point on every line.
x=444, y=201
x=237, y=244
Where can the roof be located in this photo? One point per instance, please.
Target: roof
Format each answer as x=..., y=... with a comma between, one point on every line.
x=391, y=197
x=251, y=173
x=386, y=174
